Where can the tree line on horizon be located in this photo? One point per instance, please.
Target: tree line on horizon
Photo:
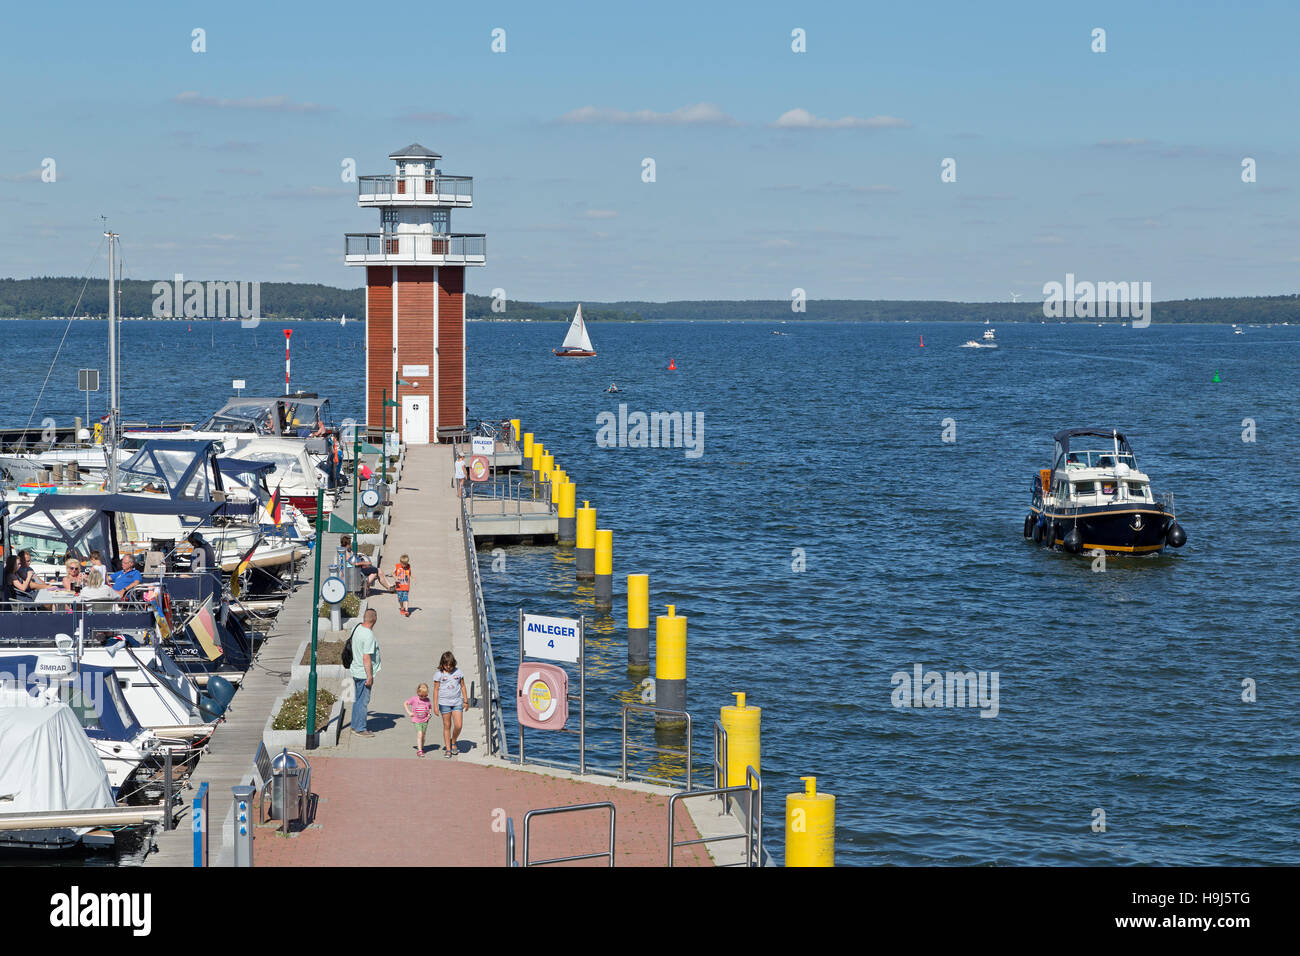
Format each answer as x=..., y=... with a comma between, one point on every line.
x=56, y=296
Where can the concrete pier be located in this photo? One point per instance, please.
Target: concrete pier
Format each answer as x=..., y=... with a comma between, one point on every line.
x=378, y=802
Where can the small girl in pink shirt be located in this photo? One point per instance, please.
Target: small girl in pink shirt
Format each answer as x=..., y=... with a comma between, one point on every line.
x=418, y=709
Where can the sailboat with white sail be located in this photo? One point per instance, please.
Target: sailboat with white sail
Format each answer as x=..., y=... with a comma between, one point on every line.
x=577, y=344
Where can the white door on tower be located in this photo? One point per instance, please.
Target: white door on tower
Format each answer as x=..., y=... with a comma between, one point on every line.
x=415, y=419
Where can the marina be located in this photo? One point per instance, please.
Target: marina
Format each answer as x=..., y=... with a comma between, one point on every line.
x=605, y=447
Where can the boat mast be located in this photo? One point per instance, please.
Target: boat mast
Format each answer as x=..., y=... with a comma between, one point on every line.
x=112, y=364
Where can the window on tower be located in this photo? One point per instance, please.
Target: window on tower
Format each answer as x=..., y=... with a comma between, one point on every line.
x=441, y=221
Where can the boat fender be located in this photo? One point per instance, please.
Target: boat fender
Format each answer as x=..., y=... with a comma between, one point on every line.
x=1073, y=541
x=1038, y=533
x=1029, y=525
x=1176, y=537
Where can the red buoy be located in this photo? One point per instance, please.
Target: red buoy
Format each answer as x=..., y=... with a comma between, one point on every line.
x=672, y=366
x=923, y=341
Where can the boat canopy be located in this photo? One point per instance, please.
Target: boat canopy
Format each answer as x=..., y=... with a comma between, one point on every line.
x=179, y=468
x=1113, y=437
x=52, y=526
x=91, y=691
x=49, y=763
x=281, y=417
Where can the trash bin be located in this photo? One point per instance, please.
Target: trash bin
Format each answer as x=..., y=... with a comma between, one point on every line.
x=286, y=788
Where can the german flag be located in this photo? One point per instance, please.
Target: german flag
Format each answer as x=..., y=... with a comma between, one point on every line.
x=204, y=629
x=274, y=507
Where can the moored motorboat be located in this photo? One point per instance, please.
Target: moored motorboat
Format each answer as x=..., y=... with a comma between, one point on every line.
x=1095, y=498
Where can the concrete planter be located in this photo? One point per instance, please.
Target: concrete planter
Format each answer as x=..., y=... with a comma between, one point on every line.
x=277, y=740
x=326, y=674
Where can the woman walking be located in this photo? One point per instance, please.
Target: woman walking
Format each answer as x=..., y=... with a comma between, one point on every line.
x=453, y=698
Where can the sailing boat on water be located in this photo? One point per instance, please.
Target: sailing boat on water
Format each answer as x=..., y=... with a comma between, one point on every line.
x=577, y=344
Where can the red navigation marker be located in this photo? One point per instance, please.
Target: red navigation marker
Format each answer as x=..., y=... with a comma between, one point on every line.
x=923, y=341
x=672, y=366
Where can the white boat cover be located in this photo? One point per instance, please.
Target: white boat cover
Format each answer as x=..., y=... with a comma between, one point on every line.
x=577, y=337
x=46, y=760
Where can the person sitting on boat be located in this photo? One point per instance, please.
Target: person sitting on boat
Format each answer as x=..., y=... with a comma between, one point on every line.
x=204, y=556
x=128, y=576
x=96, y=589
x=613, y=388
x=1072, y=461
x=20, y=577
x=73, y=578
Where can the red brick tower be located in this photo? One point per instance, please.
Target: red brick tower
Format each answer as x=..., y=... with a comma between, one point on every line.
x=415, y=294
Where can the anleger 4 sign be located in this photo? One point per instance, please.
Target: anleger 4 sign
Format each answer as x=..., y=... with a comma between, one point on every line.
x=551, y=638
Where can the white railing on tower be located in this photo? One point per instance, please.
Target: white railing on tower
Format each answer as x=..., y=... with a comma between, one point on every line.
x=415, y=188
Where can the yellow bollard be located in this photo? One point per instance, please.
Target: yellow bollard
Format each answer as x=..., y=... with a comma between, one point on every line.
x=670, y=666
x=568, y=529
x=586, y=556
x=638, y=622
x=810, y=827
x=538, y=451
x=604, y=568
x=527, y=448
x=514, y=428
x=744, y=747
x=558, y=479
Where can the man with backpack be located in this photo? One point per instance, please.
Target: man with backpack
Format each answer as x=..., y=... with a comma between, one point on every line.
x=363, y=648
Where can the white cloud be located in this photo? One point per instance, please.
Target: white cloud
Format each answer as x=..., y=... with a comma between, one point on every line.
x=802, y=119
x=700, y=114
x=275, y=104
x=601, y=214
x=1123, y=143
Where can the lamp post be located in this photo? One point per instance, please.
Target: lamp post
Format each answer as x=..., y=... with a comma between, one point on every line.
x=356, y=481
x=315, y=621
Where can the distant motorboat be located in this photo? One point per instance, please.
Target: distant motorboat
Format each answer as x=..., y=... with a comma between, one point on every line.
x=577, y=344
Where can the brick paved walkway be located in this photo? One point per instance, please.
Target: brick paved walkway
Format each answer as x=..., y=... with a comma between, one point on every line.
x=437, y=811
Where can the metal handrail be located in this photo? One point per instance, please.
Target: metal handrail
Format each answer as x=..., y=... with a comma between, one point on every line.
x=719, y=758
x=605, y=804
x=753, y=835
x=646, y=708
x=417, y=246
x=510, y=842
x=459, y=187
x=493, y=721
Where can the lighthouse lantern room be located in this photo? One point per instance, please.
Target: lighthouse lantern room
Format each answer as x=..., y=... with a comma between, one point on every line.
x=415, y=294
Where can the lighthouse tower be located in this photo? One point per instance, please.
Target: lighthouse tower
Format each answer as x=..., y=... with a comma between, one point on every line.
x=415, y=294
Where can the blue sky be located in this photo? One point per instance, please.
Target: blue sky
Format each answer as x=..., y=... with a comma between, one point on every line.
x=1123, y=165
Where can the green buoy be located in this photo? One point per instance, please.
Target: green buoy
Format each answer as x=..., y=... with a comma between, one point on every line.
x=1216, y=376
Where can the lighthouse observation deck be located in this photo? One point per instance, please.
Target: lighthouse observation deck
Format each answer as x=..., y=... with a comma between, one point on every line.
x=416, y=189
x=458, y=249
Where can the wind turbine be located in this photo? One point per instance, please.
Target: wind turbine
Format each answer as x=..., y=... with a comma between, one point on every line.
x=1015, y=296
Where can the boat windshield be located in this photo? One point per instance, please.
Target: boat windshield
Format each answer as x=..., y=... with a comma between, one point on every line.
x=1098, y=459
x=258, y=417
x=77, y=530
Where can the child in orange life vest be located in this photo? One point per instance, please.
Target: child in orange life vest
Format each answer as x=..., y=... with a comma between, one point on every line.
x=402, y=575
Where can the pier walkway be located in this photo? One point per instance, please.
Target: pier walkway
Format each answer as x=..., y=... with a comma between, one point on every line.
x=377, y=802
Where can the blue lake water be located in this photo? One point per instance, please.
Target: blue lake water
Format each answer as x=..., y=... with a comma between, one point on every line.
x=1119, y=691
